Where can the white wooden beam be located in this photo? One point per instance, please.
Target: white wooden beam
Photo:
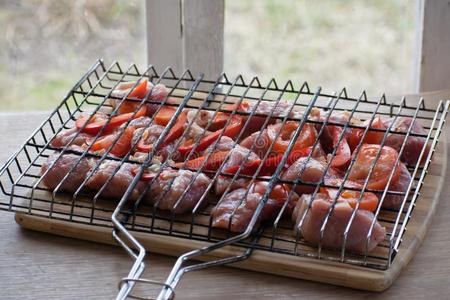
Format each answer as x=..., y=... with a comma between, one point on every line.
x=203, y=36
x=433, y=39
x=164, y=34
x=186, y=34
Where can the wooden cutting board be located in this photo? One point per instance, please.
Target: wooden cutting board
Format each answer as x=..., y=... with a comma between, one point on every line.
x=282, y=264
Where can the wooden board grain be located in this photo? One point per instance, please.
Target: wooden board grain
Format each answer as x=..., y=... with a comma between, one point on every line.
x=280, y=264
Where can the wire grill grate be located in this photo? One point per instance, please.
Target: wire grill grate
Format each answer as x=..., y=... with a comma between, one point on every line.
x=20, y=176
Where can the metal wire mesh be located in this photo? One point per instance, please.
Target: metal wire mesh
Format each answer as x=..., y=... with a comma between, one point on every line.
x=21, y=178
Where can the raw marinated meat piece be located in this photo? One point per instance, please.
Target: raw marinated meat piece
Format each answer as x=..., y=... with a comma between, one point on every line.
x=64, y=137
x=225, y=143
x=269, y=108
x=337, y=223
x=260, y=143
x=222, y=214
x=198, y=121
x=280, y=109
x=150, y=134
x=119, y=182
x=237, y=156
x=414, y=144
x=170, y=184
x=62, y=166
x=400, y=185
x=308, y=171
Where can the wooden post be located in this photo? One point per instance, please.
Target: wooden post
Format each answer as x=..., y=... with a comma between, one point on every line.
x=433, y=45
x=186, y=34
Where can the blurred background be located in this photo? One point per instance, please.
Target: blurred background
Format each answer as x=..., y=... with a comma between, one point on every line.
x=47, y=45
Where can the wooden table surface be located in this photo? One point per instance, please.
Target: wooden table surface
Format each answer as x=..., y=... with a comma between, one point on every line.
x=34, y=265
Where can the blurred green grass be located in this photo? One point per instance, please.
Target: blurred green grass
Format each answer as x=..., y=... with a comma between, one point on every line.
x=47, y=45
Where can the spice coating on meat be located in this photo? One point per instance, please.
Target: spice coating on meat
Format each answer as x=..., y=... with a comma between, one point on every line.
x=333, y=236
x=119, y=182
x=167, y=189
x=61, y=167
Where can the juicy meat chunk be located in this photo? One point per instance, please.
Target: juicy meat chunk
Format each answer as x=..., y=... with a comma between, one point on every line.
x=64, y=137
x=259, y=141
x=414, y=144
x=225, y=143
x=150, y=135
x=198, y=121
x=238, y=206
x=280, y=109
x=61, y=167
x=118, y=183
x=237, y=156
x=400, y=185
x=167, y=189
x=337, y=223
x=308, y=171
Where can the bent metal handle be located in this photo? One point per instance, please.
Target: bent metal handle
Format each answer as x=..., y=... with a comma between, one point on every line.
x=138, y=265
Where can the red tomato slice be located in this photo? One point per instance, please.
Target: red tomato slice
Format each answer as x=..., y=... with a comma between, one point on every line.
x=177, y=129
x=146, y=176
x=383, y=167
x=213, y=162
x=122, y=145
x=369, y=201
x=343, y=153
x=138, y=92
x=96, y=124
x=175, y=132
x=372, y=137
x=305, y=139
x=280, y=192
x=296, y=154
x=164, y=115
x=221, y=118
